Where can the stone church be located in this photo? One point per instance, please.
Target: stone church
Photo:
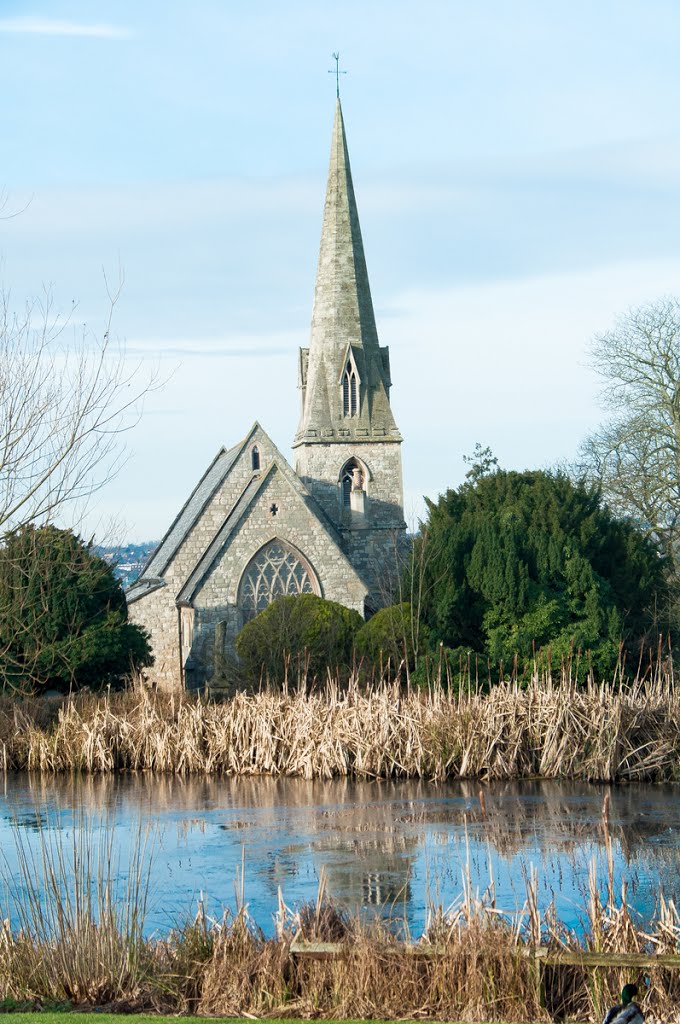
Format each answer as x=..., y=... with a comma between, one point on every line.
x=254, y=528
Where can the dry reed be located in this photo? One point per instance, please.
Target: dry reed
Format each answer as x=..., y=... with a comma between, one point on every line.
x=473, y=963
x=77, y=942
x=595, y=732
x=78, y=932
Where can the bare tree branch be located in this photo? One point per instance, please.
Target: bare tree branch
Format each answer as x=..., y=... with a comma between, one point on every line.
x=66, y=398
x=635, y=457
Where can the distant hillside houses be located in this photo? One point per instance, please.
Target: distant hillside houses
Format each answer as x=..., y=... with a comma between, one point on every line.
x=128, y=560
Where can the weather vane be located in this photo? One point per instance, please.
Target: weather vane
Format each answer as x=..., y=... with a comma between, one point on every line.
x=337, y=72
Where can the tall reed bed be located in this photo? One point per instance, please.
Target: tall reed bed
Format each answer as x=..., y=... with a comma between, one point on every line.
x=74, y=928
x=80, y=938
x=609, y=733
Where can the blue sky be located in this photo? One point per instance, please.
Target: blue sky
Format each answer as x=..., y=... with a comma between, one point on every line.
x=517, y=169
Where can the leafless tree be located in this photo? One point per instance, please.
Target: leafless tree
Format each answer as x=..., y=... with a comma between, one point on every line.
x=635, y=456
x=66, y=397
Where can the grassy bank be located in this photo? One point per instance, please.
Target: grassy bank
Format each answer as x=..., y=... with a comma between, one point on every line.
x=597, y=732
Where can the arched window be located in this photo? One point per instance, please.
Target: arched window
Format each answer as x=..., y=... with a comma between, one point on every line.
x=350, y=391
x=275, y=571
x=352, y=474
x=255, y=457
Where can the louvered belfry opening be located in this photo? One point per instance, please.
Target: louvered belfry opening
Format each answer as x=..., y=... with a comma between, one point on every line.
x=349, y=391
x=347, y=481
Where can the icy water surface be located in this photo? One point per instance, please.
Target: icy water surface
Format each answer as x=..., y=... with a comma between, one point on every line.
x=384, y=846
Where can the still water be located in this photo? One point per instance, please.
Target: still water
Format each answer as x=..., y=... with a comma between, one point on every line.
x=384, y=846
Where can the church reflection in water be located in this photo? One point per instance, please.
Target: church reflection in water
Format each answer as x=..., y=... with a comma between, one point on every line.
x=385, y=846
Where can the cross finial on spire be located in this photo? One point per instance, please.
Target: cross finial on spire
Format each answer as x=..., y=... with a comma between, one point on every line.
x=337, y=72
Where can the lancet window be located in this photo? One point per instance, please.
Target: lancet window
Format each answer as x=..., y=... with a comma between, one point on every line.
x=275, y=571
x=350, y=391
x=255, y=457
x=352, y=475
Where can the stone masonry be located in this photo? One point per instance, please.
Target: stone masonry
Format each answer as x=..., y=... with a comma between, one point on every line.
x=335, y=525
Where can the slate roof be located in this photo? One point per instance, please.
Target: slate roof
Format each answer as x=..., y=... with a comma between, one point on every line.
x=151, y=575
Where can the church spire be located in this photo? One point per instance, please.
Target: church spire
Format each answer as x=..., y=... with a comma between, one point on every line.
x=344, y=375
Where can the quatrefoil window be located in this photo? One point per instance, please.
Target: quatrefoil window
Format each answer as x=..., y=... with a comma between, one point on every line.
x=275, y=571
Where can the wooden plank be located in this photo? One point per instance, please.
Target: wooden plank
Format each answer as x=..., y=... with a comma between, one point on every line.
x=542, y=954
x=583, y=959
x=317, y=950
x=333, y=950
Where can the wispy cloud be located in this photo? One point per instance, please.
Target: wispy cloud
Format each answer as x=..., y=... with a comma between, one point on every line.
x=210, y=353
x=34, y=25
x=255, y=346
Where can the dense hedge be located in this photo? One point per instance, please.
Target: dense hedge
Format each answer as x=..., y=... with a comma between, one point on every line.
x=390, y=637
x=305, y=632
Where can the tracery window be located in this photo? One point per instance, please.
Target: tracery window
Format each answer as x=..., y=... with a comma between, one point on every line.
x=350, y=391
x=275, y=571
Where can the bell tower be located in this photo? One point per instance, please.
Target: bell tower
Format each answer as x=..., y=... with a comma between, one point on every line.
x=348, y=447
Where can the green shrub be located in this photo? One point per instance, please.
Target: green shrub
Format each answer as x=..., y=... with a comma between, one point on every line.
x=306, y=631
x=63, y=615
x=390, y=635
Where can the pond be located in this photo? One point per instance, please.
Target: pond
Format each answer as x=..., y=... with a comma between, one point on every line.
x=383, y=846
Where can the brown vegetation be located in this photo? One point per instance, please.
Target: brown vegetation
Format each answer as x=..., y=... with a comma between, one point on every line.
x=473, y=963
x=596, y=732
x=79, y=936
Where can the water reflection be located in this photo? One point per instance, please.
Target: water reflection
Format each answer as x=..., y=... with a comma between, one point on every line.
x=383, y=845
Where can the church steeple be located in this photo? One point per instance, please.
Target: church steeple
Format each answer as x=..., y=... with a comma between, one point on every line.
x=348, y=448
x=344, y=374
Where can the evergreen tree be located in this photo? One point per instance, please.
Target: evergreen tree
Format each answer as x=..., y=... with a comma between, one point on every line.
x=63, y=615
x=517, y=563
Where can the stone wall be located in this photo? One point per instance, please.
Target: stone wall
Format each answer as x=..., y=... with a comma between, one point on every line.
x=157, y=612
x=216, y=599
x=319, y=467
x=378, y=556
x=373, y=541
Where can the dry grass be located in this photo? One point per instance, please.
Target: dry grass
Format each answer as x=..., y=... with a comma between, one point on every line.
x=596, y=732
x=473, y=963
x=79, y=943
x=79, y=930
x=478, y=976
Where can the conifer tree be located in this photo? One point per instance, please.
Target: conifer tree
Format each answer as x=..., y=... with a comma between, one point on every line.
x=63, y=615
x=521, y=563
